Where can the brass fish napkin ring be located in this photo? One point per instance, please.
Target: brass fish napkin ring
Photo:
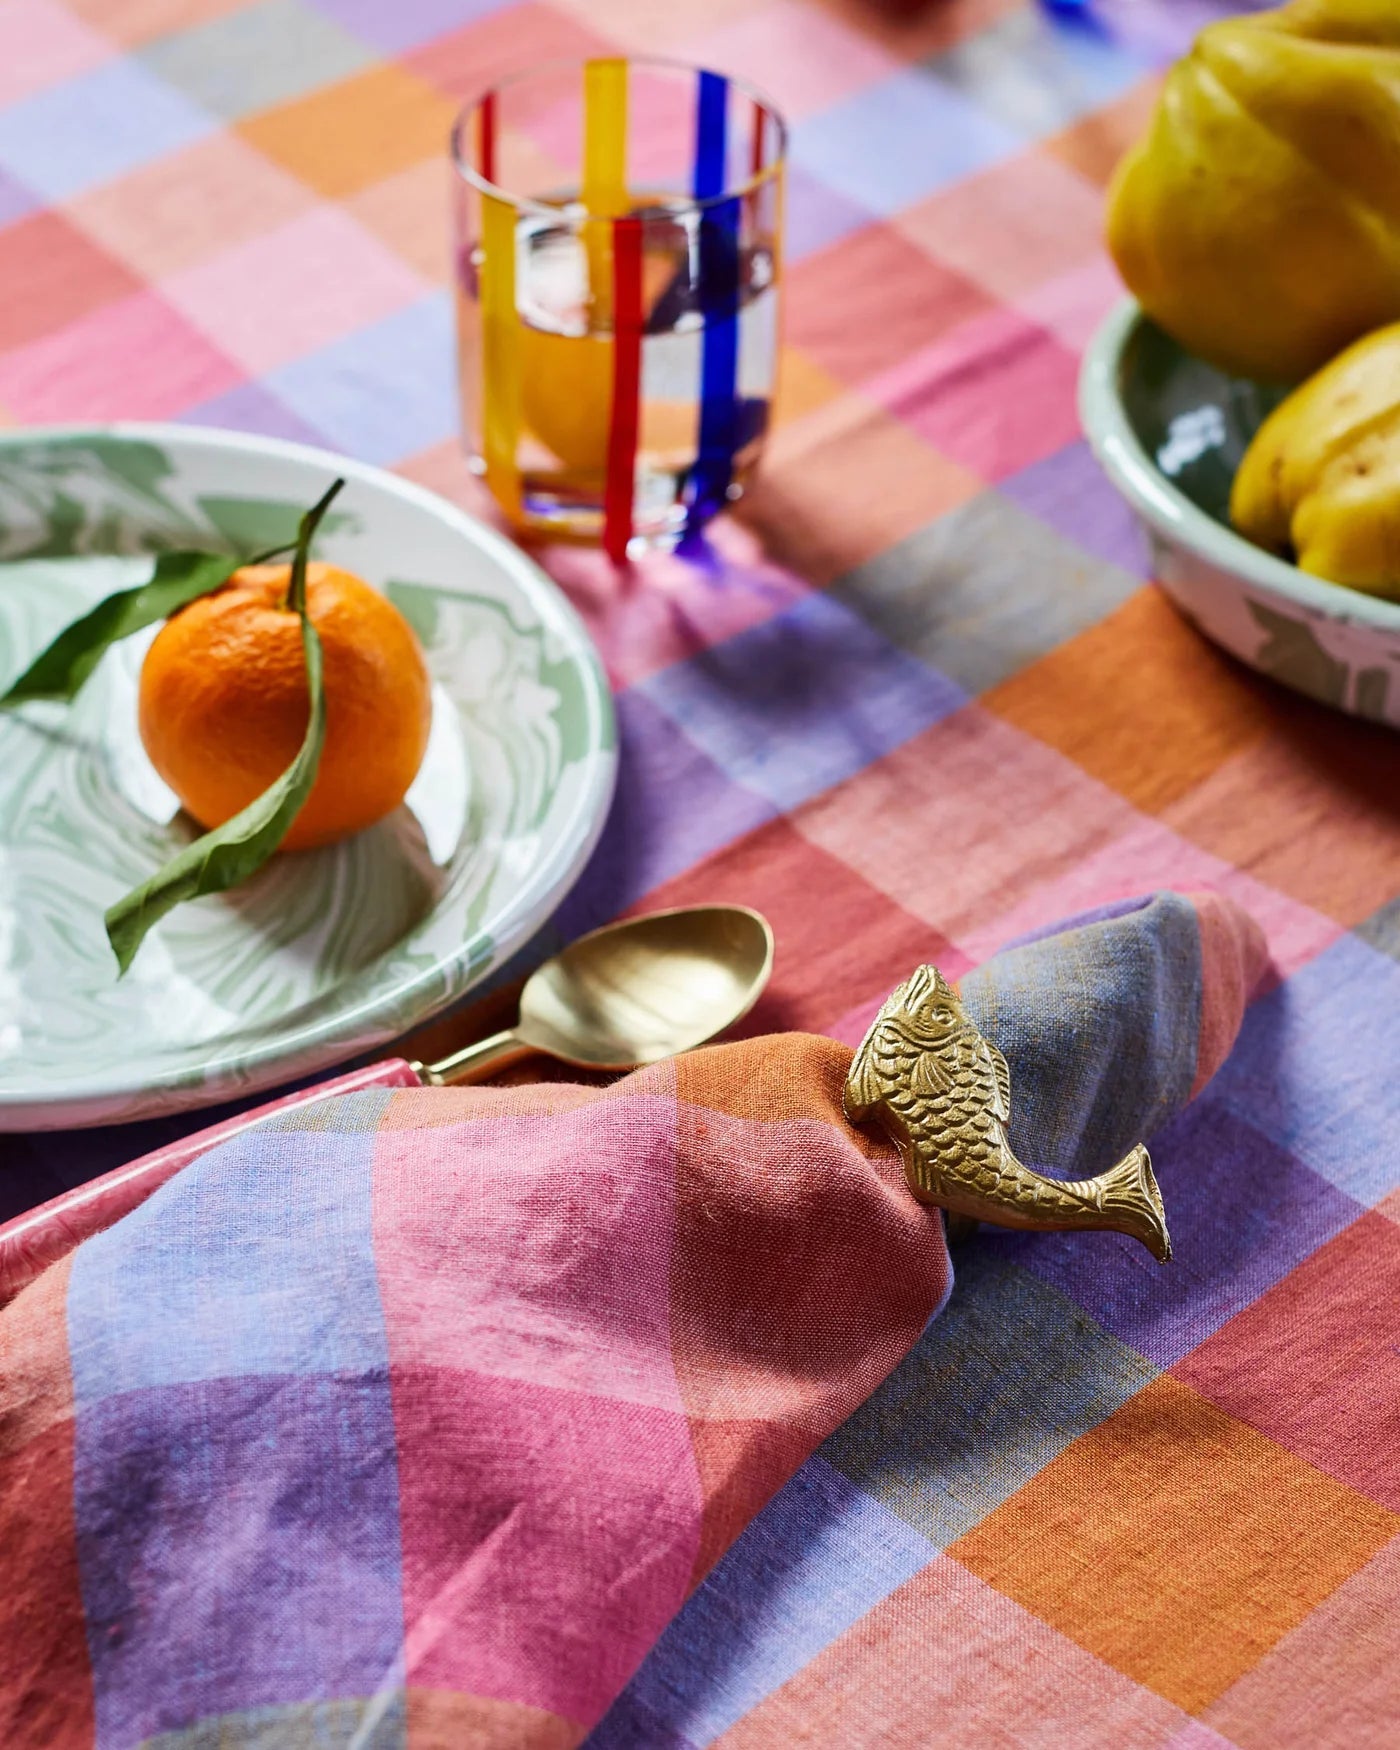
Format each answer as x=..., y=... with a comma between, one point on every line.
x=942, y=1093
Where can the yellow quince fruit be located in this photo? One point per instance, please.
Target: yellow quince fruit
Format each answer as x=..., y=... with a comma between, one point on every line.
x=1258, y=221
x=1322, y=476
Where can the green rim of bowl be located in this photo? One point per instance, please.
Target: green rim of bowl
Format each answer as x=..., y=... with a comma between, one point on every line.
x=1171, y=514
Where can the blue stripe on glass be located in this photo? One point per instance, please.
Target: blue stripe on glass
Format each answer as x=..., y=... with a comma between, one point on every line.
x=719, y=304
x=711, y=136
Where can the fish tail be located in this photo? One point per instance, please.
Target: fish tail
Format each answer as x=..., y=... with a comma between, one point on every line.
x=1129, y=1192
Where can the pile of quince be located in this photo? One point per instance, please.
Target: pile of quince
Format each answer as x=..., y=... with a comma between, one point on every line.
x=1258, y=222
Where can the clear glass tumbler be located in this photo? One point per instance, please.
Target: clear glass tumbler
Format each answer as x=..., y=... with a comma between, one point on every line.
x=618, y=266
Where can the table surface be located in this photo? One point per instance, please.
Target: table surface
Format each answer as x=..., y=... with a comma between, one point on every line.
x=915, y=699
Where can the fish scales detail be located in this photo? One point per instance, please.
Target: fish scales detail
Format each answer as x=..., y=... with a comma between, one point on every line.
x=942, y=1092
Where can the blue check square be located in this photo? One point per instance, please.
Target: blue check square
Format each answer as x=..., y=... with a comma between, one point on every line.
x=893, y=143
x=1314, y=1068
x=95, y=128
x=797, y=704
x=384, y=392
x=182, y=1289
x=1036, y=75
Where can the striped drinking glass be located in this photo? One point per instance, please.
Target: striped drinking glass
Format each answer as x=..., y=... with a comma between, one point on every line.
x=618, y=264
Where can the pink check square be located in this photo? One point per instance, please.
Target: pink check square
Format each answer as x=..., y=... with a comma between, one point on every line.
x=134, y=359
x=996, y=394
x=41, y=44
x=1148, y=855
x=310, y=281
x=1007, y=814
x=803, y=58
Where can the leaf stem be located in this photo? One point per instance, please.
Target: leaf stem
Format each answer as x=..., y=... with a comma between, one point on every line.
x=296, y=586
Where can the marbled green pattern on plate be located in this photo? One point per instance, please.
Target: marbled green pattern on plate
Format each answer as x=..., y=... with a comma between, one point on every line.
x=324, y=952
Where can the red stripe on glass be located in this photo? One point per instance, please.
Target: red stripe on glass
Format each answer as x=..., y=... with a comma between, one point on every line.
x=487, y=154
x=626, y=388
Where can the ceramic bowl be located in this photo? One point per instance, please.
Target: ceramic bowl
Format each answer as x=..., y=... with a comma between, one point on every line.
x=1169, y=431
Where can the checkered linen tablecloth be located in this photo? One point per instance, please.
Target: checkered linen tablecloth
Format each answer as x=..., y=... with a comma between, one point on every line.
x=917, y=702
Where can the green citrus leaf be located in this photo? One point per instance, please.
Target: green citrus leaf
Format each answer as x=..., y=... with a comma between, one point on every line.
x=178, y=579
x=239, y=848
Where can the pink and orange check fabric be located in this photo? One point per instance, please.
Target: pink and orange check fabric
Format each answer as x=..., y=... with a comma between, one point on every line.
x=414, y=1418
x=916, y=700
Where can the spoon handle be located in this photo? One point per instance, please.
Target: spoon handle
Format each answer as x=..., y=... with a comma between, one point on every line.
x=475, y=1062
x=40, y=1237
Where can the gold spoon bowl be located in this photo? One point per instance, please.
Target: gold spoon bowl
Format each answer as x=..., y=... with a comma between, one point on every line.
x=632, y=993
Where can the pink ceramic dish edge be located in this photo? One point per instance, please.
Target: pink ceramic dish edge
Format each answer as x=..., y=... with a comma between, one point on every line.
x=40, y=1237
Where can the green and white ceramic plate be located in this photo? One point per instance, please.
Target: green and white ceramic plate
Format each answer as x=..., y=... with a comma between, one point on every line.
x=324, y=953
x=1170, y=432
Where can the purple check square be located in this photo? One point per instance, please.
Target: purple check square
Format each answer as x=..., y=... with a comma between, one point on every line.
x=1160, y=30
x=96, y=128
x=895, y=142
x=673, y=807
x=238, y=1542
x=1071, y=493
x=801, y=701
x=1314, y=1068
x=406, y=23
x=250, y=407
x=15, y=200
x=220, y=1273
x=1242, y=1213
x=815, y=215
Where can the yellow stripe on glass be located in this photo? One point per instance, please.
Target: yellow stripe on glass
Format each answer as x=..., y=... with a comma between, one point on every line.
x=605, y=138
x=604, y=172
x=500, y=350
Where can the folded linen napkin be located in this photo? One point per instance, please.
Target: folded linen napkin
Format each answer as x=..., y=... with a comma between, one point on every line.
x=412, y=1417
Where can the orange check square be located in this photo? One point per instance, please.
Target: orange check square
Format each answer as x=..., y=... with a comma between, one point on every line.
x=1175, y=1543
x=845, y=483
x=409, y=212
x=803, y=386
x=130, y=22
x=344, y=137
x=1311, y=810
x=1141, y=700
x=1094, y=145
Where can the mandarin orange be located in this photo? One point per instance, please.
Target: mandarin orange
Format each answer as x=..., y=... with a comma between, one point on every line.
x=223, y=700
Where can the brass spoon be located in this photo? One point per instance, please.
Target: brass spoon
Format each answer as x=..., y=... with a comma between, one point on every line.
x=632, y=993
x=629, y=994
